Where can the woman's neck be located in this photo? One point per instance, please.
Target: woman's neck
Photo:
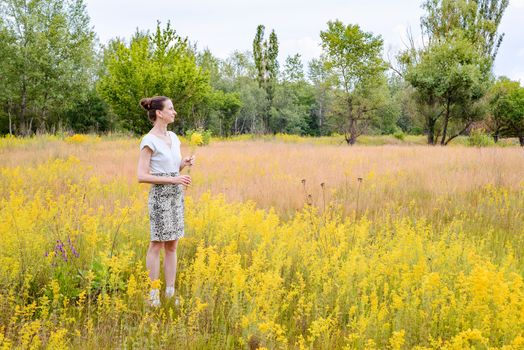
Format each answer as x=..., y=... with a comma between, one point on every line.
x=160, y=129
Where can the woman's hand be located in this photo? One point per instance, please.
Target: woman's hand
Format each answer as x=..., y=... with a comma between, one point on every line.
x=188, y=161
x=182, y=180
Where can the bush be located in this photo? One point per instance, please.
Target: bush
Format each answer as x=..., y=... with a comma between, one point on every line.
x=399, y=135
x=480, y=139
x=207, y=136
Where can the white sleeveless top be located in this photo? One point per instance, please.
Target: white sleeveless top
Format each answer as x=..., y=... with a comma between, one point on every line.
x=164, y=159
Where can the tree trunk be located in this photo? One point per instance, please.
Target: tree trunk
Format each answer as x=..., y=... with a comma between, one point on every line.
x=268, y=111
x=23, y=108
x=351, y=129
x=431, y=131
x=462, y=132
x=446, y=120
x=243, y=127
x=320, y=116
x=351, y=137
x=10, y=119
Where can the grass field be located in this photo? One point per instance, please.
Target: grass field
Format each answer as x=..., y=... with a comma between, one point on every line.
x=285, y=248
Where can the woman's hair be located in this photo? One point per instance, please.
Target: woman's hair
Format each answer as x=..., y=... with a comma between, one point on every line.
x=152, y=104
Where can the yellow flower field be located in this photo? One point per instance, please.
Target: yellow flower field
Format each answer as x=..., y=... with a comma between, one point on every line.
x=284, y=247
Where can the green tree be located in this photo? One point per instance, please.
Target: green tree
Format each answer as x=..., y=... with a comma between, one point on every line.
x=322, y=81
x=293, y=107
x=161, y=63
x=388, y=114
x=48, y=46
x=90, y=114
x=210, y=65
x=293, y=69
x=477, y=21
x=238, y=73
x=449, y=84
x=7, y=93
x=354, y=58
x=507, y=110
x=265, y=54
x=254, y=104
x=238, y=64
x=226, y=106
x=223, y=102
x=292, y=110
x=452, y=72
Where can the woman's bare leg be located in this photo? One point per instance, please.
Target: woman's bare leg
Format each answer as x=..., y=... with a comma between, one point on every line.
x=170, y=261
x=153, y=260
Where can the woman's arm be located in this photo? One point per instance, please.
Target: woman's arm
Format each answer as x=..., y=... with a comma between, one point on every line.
x=143, y=170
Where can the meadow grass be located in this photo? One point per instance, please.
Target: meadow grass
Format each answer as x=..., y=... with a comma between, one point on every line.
x=429, y=258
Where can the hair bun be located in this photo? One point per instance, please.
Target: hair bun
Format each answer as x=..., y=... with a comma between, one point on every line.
x=146, y=103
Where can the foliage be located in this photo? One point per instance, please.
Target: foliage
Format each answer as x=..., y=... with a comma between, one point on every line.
x=452, y=71
x=480, y=139
x=90, y=115
x=160, y=63
x=477, y=21
x=506, y=100
x=265, y=54
x=47, y=64
x=449, y=84
x=54, y=78
x=399, y=135
x=354, y=58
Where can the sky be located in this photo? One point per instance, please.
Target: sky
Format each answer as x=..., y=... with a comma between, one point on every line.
x=229, y=25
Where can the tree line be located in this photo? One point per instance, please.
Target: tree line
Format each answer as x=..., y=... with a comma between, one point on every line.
x=55, y=76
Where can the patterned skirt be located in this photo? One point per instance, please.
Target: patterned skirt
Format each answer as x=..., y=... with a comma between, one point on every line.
x=166, y=210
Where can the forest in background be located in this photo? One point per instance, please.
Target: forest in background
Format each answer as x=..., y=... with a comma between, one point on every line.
x=56, y=77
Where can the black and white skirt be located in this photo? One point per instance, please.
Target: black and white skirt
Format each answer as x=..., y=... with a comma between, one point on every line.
x=166, y=210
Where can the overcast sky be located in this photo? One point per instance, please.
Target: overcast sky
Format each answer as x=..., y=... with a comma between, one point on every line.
x=228, y=25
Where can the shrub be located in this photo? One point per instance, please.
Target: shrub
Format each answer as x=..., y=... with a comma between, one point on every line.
x=399, y=135
x=480, y=139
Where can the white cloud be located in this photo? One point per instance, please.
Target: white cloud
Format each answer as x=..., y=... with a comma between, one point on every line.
x=228, y=25
x=519, y=76
x=307, y=47
x=400, y=29
x=516, y=3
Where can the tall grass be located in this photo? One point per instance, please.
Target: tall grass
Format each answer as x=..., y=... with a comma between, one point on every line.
x=432, y=258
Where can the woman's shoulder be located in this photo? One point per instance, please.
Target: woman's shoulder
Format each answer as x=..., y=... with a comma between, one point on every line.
x=174, y=135
x=147, y=136
x=148, y=140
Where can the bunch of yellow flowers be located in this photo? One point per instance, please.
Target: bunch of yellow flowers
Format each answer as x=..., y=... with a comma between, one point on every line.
x=196, y=139
x=76, y=138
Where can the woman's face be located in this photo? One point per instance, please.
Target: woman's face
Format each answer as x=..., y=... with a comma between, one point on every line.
x=168, y=113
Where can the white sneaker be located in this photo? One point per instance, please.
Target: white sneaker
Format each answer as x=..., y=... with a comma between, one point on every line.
x=154, y=298
x=170, y=292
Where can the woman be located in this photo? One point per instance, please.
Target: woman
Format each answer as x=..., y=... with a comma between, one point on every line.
x=160, y=164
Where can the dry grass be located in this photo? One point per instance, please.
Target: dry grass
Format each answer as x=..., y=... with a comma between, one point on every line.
x=271, y=173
